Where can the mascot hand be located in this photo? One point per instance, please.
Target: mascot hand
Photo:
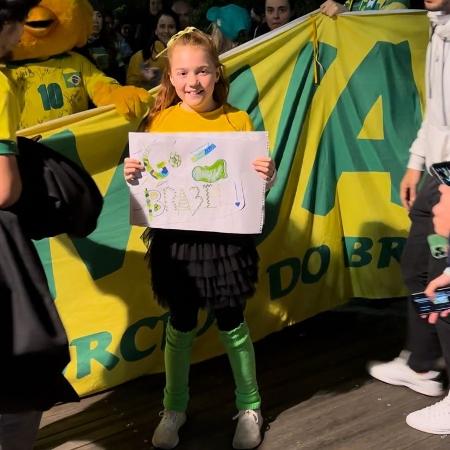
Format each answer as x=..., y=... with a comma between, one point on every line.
x=129, y=101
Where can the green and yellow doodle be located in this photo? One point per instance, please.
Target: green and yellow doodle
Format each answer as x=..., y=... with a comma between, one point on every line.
x=212, y=173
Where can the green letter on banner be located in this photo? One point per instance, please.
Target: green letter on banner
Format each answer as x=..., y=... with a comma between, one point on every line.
x=128, y=343
x=324, y=254
x=93, y=347
x=391, y=247
x=343, y=148
x=356, y=251
x=296, y=102
x=274, y=271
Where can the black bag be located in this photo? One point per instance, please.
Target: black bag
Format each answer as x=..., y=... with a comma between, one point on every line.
x=58, y=196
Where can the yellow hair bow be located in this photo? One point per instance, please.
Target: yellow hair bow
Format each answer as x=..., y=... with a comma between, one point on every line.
x=175, y=37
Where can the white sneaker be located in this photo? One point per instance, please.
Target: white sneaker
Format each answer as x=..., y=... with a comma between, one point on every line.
x=397, y=372
x=166, y=433
x=248, y=429
x=432, y=419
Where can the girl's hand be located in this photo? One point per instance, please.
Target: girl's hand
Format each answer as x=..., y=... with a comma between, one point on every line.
x=441, y=281
x=265, y=167
x=132, y=169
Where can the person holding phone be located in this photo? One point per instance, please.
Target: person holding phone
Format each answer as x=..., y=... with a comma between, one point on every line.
x=441, y=222
x=434, y=419
x=417, y=367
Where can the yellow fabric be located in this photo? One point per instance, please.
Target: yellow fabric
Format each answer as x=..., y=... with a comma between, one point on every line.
x=55, y=87
x=137, y=63
x=177, y=119
x=129, y=101
x=9, y=114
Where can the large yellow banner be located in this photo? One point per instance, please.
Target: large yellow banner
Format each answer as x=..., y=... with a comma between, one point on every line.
x=341, y=100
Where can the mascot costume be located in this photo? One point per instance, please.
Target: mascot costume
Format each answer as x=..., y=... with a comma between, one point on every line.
x=51, y=81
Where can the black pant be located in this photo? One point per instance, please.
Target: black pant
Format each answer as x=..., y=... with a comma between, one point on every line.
x=183, y=315
x=425, y=342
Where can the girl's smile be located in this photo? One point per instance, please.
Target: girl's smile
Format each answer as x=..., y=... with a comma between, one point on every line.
x=193, y=75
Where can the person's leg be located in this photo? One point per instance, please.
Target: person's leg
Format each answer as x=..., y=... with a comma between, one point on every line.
x=415, y=368
x=18, y=431
x=418, y=268
x=235, y=336
x=180, y=334
x=435, y=419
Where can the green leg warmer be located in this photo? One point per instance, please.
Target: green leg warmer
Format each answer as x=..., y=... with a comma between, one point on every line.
x=239, y=347
x=177, y=358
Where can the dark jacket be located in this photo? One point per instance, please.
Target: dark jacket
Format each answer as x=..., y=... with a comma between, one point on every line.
x=58, y=196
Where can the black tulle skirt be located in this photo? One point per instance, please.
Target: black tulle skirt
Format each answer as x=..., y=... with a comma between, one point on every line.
x=215, y=269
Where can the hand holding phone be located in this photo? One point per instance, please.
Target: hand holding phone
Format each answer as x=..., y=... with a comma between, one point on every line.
x=441, y=172
x=424, y=305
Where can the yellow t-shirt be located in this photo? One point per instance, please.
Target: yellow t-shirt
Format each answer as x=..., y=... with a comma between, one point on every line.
x=137, y=63
x=9, y=117
x=177, y=119
x=55, y=87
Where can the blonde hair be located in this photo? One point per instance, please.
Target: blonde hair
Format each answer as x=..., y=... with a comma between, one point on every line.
x=221, y=42
x=167, y=95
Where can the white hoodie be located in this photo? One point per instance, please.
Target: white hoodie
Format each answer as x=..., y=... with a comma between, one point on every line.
x=433, y=139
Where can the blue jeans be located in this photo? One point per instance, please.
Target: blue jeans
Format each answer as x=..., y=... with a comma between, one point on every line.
x=18, y=431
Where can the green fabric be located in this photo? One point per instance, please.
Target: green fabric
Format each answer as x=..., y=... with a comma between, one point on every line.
x=177, y=358
x=239, y=347
x=8, y=148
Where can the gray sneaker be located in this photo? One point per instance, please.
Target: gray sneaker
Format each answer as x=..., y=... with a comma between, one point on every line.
x=166, y=433
x=248, y=429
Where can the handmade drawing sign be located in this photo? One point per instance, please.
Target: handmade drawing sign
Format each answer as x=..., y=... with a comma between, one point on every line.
x=199, y=181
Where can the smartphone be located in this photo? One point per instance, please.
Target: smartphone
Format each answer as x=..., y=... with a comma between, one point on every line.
x=441, y=171
x=438, y=246
x=424, y=305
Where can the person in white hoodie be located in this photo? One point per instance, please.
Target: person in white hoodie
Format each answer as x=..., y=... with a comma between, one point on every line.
x=416, y=367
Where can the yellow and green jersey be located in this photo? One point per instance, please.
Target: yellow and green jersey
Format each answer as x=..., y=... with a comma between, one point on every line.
x=9, y=117
x=56, y=87
x=373, y=5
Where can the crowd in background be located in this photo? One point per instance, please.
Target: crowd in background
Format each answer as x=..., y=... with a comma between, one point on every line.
x=127, y=43
x=127, y=46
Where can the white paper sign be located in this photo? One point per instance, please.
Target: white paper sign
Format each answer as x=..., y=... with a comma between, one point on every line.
x=199, y=181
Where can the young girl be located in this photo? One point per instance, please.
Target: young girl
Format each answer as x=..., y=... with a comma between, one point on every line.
x=217, y=271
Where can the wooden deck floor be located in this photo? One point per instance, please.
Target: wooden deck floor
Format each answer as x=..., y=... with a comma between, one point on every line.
x=316, y=395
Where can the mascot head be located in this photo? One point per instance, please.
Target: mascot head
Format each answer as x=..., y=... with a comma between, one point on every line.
x=54, y=27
